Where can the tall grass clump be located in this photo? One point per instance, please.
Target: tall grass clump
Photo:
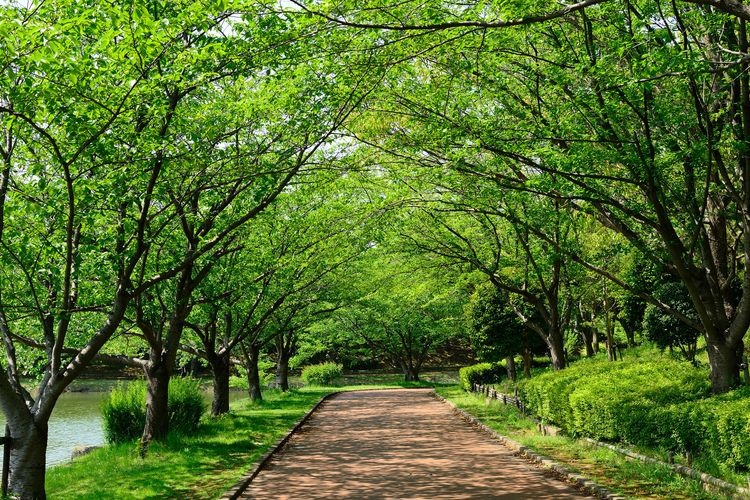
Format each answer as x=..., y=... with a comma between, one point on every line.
x=186, y=405
x=124, y=412
x=322, y=374
x=124, y=409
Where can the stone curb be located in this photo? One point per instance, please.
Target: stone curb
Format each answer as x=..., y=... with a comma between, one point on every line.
x=243, y=483
x=580, y=481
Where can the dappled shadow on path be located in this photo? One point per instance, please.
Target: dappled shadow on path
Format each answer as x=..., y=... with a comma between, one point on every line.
x=398, y=444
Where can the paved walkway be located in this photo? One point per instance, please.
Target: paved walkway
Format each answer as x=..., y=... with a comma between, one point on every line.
x=398, y=444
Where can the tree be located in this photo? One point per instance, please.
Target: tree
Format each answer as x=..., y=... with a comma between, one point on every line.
x=252, y=130
x=286, y=259
x=402, y=311
x=491, y=236
x=499, y=333
x=633, y=113
x=82, y=160
x=664, y=330
x=642, y=278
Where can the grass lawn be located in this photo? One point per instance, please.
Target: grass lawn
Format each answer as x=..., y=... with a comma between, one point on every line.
x=630, y=478
x=203, y=465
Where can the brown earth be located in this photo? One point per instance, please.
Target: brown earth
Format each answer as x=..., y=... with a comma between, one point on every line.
x=398, y=444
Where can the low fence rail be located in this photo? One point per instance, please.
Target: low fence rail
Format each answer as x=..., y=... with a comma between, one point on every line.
x=506, y=399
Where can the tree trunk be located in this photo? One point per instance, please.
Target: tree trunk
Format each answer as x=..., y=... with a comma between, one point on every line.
x=253, y=375
x=610, y=330
x=725, y=366
x=282, y=372
x=611, y=348
x=27, y=458
x=510, y=366
x=586, y=336
x=527, y=358
x=630, y=335
x=556, y=346
x=220, y=372
x=411, y=374
x=595, y=340
x=157, y=397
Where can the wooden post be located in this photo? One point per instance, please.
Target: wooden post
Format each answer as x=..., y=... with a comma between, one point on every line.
x=670, y=457
x=6, y=459
x=689, y=458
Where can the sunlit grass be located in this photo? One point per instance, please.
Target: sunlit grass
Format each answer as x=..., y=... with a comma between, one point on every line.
x=633, y=479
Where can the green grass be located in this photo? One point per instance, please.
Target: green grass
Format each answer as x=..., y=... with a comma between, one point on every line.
x=632, y=479
x=203, y=465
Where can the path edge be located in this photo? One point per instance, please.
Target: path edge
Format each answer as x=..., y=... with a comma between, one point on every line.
x=582, y=482
x=241, y=485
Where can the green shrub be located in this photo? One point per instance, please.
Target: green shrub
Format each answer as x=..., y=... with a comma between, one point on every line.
x=124, y=409
x=620, y=403
x=481, y=373
x=548, y=394
x=124, y=412
x=724, y=428
x=614, y=401
x=322, y=374
x=186, y=405
x=650, y=400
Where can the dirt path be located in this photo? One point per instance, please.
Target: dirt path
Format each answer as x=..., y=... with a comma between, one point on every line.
x=398, y=444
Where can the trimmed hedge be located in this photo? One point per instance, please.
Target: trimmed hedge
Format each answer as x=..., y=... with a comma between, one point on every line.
x=124, y=409
x=654, y=401
x=322, y=374
x=481, y=373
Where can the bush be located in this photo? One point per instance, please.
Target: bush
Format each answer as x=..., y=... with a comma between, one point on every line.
x=722, y=427
x=124, y=412
x=481, y=373
x=124, y=409
x=653, y=401
x=186, y=405
x=321, y=374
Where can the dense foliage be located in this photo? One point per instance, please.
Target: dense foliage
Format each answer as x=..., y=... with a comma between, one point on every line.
x=667, y=331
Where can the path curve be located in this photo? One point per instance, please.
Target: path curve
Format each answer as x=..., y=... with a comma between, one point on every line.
x=398, y=444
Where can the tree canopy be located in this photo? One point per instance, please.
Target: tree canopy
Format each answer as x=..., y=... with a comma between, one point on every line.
x=208, y=177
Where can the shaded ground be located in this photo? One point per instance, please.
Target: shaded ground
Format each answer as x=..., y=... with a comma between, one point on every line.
x=398, y=444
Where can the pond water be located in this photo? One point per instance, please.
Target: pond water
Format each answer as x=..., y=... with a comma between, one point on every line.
x=77, y=420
